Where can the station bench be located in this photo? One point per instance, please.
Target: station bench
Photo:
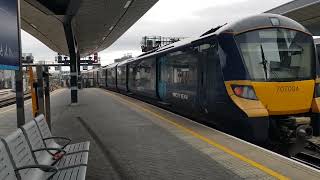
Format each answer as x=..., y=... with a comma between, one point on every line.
x=25, y=154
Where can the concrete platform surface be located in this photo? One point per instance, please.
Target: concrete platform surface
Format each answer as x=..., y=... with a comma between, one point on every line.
x=134, y=140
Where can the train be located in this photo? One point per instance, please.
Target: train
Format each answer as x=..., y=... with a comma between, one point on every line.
x=256, y=79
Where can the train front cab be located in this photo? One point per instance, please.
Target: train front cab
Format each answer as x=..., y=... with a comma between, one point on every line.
x=270, y=76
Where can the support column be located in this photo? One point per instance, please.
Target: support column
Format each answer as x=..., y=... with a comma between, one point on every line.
x=40, y=90
x=19, y=97
x=73, y=51
x=79, y=71
x=72, y=10
x=19, y=80
x=47, y=95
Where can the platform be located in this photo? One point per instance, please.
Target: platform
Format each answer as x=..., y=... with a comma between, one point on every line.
x=134, y=140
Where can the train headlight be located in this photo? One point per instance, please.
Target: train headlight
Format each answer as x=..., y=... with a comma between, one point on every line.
x=317, y=90
x=244, y=91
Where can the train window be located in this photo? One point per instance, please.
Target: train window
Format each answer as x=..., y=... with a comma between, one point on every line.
x=111, y=76
x=121, y=78
x=181, y=67
x=277, y=54
x=204, y=47
x=142, y=75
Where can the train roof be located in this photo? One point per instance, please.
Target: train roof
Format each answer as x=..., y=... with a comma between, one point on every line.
x=90, y=70
x=104, y=67
x=126, y=61
x=169, y=47
x=112, y=65
x=264, y=20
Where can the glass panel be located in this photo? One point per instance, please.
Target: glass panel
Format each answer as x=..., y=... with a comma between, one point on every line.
x=178, y=80
x=181, y=70
x=277, y=54
x=121, y=75
x=111, y=79
x=142, y=75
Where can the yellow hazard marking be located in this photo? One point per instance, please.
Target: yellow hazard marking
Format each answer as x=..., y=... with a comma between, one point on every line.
x=207, y=140
x=33, y=93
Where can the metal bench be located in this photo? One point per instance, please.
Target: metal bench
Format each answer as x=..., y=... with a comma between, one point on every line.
x=51, y=155
x=18, y=158
x=49, y=140
x=6, y=167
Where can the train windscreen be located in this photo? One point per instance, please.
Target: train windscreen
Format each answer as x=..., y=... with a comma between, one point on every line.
x=277, y=54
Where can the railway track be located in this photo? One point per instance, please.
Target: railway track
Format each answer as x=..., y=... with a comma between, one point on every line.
x=311, y=155
x=308, y=159
x=12, y=100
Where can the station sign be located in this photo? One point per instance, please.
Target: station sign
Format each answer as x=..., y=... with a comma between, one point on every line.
x=27, y=58
x=95, y=57
x=57, y=68
x=9, y=35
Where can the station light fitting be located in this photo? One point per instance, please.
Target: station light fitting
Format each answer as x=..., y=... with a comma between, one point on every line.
x=34, y=26
x=111, y=28
x=127, y=4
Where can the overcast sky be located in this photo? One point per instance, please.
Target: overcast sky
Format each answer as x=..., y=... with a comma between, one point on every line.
x=183, y=18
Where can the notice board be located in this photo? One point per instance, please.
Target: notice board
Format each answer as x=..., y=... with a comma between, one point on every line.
x=9, y=35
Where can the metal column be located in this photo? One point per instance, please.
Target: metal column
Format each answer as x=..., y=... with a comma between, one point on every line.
x=73, y=7
x=73, y=61
x=79, y=72
x=47, y=95
x=20, y=97
x=40, y=89
x=19, y=81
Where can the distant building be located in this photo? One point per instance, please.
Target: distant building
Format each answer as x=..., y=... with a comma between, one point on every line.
x=6, y=79
x=149, y=43
x=27, y=58
x=125, y=57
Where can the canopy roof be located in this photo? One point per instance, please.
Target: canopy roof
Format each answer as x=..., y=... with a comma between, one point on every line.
x=306, y=12
x=96, y=23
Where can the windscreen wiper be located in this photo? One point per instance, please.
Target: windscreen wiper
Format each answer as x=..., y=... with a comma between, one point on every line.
x=264, y=62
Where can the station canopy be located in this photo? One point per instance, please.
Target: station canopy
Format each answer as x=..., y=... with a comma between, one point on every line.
x=306, y=12
x=96, y=23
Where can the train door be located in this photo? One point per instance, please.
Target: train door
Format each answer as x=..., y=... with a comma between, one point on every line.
x=127, y=77
x=208, y=59
x=202, y=83
x=178, y=79
x=161, y=73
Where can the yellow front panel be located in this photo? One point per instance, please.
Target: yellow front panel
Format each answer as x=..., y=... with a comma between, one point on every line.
x=252, y=108
x=282, y=98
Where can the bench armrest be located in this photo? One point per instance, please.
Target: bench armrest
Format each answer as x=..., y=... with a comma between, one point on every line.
x=59, y=150
x=50, y=149
x=59, y=137
x=45, y=168
x=52, y=154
